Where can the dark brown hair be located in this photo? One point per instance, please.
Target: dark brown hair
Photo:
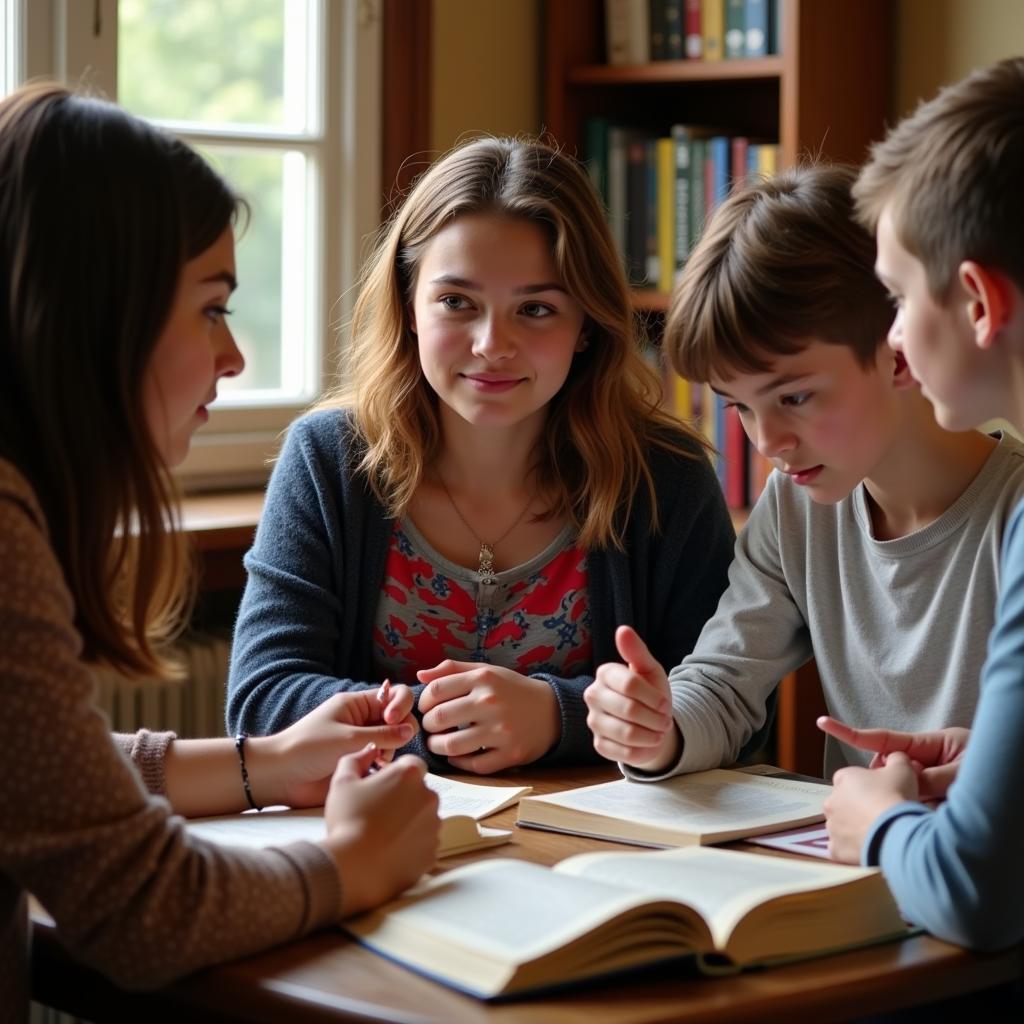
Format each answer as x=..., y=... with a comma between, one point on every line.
x=595, y=450
x=952, y=175
x=781, y=263
x=99, y=212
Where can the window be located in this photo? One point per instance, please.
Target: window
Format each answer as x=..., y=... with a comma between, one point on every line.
x=283, y=97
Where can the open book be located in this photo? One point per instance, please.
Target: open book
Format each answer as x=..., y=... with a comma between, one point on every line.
x=503, y=927
x=706, y=807
x=461, y=804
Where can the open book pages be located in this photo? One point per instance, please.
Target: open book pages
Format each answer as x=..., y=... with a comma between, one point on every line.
x=498, y=927
x=468, y=798
x=706, y=807
x=460, y=805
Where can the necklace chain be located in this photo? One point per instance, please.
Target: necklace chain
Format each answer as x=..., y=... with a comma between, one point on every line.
x=485, y=560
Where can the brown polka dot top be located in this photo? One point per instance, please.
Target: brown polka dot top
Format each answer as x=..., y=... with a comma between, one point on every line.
x=80, y=825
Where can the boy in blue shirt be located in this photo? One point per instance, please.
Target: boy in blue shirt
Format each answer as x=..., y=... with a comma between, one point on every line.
x=943, y=194
x=875, y=546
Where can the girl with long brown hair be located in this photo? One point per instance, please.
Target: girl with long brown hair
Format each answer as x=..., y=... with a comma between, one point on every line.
x=116, y=264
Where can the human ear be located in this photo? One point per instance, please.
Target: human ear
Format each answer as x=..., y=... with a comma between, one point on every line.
x=582, y=342
x=988, y=301
x=902, y=378
x=410, y=312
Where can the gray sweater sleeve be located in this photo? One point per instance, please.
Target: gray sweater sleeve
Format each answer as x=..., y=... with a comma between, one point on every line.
x=757, y=635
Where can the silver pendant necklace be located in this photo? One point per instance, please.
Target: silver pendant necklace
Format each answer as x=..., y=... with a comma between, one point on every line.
x=485, y=559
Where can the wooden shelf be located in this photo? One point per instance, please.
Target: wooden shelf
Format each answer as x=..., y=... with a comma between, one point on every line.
x=677, y=71
x=221, y=528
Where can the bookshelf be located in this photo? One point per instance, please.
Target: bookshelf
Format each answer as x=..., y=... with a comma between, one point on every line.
x=823, y=95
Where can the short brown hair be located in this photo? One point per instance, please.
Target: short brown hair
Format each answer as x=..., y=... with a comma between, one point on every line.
x=951, y=174
x=782, y=262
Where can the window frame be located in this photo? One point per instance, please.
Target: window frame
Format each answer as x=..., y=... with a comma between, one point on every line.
x=73, y=41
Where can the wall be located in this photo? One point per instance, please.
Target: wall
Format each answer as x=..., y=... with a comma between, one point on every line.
x=940, y=41
x=486, y=67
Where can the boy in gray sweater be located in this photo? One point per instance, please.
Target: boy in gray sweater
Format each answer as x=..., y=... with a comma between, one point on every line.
x=875, y=546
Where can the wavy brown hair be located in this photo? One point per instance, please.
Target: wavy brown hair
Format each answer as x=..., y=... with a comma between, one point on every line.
x=594, y=453
x=99, y=212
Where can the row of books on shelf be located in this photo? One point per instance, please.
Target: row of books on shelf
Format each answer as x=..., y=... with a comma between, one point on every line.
x=639, y=31
x=659, y=191
x=742, y=470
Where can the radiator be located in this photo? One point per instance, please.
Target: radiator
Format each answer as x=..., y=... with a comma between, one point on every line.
x=192, y=706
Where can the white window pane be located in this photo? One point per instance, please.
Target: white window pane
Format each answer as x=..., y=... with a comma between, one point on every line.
x=10, y=46
x=219, y=62
x=274, y=273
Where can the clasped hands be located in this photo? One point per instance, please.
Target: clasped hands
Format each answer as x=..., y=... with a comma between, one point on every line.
x=484, y=718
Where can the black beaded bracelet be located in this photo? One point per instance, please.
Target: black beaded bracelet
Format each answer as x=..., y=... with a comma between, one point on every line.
x=240, y=747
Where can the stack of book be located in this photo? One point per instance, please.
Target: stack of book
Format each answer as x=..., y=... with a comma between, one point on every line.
x=639, y=31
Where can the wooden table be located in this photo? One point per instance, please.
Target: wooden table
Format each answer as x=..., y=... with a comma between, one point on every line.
x=329, y=978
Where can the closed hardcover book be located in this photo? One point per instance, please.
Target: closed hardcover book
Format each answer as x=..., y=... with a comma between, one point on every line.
x=666, y=220
x=656, y=21
x=756, y=28
x=738, y=161
x=719, y=153
x=712, y=25
x=692, y=36
x=675, y=44
x=735, y=28
x=681, y=146
x=636, y=210
x=627, y=32
x=734, y=453
x=617, y=141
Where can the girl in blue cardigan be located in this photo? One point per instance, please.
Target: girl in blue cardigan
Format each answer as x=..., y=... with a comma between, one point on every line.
x=493, y=489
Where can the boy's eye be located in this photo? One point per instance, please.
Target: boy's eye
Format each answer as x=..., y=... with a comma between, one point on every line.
x=800, y=398
x=738, y=406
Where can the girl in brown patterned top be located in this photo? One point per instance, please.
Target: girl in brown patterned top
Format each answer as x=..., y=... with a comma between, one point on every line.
x=116, y=262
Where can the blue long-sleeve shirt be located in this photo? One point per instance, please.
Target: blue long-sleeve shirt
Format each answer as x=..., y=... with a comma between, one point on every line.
x=957, y=870
x=305, y=626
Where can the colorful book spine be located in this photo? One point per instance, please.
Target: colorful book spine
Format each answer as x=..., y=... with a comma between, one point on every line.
x=627, y=32
x=738, y=161
x=693, y=39
x=675, y=45
x=735, y=28
x=617, y=138
x=775, y=8
x=734, y=457
x=756, y=28
x=652, y=202
x=683, y=232
x=636, y=210
x=666, y=233
x=656, y=22
x=698, y=154
x=712, y=28
x=717, y=171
